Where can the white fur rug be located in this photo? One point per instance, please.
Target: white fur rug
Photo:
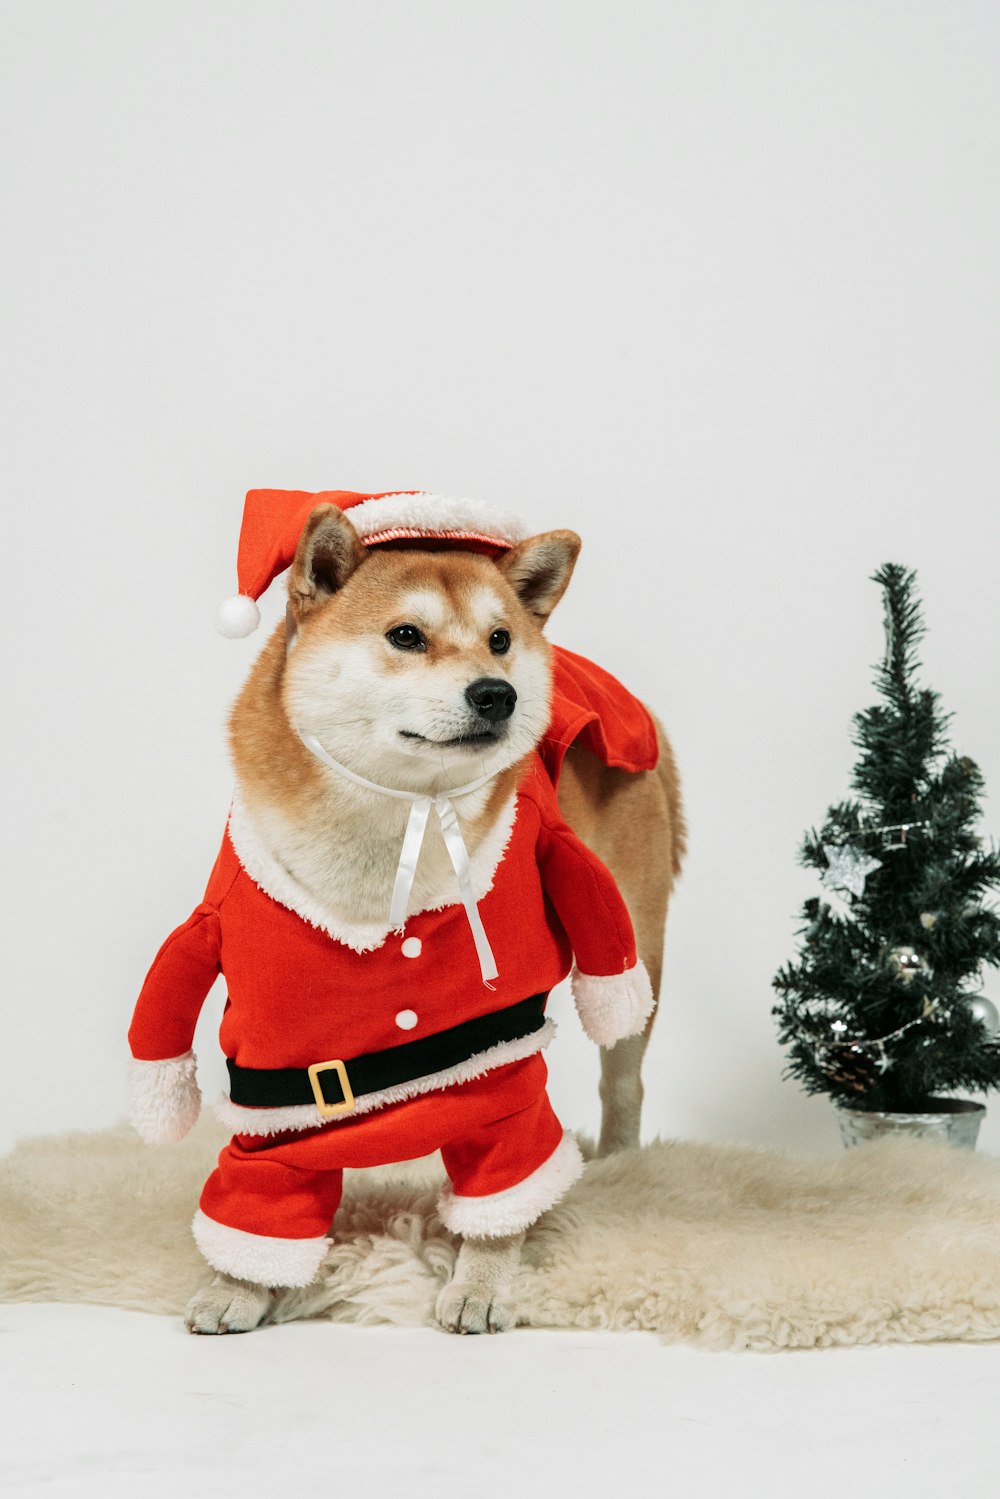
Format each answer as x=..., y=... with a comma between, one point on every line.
x=722, y=1246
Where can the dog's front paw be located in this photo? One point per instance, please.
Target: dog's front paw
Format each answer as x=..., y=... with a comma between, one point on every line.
x=228, y=1305
x=464, y=1306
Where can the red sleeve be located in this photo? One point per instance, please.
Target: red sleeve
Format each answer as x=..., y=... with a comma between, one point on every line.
x=584, y=894
x=183, y=971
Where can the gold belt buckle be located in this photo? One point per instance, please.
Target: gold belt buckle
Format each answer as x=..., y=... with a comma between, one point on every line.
x=331, y=1110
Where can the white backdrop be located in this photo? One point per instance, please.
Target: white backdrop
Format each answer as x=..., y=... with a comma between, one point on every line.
x=713, y=282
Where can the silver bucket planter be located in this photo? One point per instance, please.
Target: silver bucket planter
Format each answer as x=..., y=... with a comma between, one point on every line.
x=954, y=1121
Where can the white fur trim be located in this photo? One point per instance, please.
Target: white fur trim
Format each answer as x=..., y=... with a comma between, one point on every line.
x=517, y=1207
x=244, y=1121
x=435, y=515
x=237, y=617
x=271, y=876
x=614, y=1006
x=258, y=1257
x=163, y=1098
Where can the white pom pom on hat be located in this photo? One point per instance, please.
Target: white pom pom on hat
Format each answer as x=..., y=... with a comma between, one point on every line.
x=237, y=616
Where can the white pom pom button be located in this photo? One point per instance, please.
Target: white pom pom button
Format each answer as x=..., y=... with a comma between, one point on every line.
x=406, y=1019
x=411, y=948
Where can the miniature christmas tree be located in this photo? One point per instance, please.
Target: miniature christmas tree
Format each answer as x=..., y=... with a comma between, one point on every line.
x=882, y=1010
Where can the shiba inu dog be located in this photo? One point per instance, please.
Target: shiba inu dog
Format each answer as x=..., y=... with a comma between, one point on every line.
x=401, y=883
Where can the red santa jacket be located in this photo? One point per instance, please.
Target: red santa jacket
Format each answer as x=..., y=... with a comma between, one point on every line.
x=299, y=996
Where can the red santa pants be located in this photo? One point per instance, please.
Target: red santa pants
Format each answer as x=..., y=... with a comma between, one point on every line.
x=266, y=1209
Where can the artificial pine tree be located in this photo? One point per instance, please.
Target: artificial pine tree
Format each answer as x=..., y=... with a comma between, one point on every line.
x=882, y=1010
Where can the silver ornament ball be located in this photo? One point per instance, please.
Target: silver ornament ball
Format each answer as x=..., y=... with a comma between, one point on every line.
x=986, y=1012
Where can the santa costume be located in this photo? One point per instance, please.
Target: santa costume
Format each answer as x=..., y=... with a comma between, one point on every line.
x=350, y=1047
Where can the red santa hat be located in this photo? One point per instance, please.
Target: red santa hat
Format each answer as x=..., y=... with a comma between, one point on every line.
x=273, y=520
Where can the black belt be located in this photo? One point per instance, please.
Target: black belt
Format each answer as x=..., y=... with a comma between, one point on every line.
x=334, y=1086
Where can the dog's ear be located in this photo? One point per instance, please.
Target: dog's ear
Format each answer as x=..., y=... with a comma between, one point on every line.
x=329, y=551
x=539, y=569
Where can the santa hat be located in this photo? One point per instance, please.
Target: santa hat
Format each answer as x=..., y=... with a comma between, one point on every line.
x=273, y=521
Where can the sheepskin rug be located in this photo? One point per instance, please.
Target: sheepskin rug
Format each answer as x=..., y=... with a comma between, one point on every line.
x=722, y=1246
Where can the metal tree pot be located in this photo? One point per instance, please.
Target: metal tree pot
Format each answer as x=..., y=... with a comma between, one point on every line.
x=955, y=1121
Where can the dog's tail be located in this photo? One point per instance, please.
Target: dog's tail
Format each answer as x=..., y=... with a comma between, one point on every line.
x=666, y=769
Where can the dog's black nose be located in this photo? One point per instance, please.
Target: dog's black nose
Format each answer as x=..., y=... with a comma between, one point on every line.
x=492, y=698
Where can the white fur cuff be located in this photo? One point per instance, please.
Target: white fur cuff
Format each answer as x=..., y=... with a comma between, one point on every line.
x=516, y=1208
x=419, y=511
x=260, y=1258
x=163, y=1098
x=613, y=1007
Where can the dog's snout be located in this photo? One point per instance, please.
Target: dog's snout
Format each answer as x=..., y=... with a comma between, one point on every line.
x=492, y=698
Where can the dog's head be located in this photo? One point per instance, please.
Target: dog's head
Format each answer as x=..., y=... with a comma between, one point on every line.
x=421, y=668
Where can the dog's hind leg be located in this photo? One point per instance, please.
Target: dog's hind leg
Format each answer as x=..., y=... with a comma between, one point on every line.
x=621, y=1081
x=228, y=1305
x=635, y=823
x=479, y=1296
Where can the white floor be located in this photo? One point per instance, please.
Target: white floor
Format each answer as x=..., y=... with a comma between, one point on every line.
x=119, y=1405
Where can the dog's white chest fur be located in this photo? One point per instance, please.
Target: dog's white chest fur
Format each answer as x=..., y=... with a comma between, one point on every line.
x=338, y=870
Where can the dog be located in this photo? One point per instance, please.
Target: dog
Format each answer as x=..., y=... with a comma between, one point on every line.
x=411, y=680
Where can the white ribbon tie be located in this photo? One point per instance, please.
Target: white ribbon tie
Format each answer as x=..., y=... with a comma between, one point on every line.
x=420, y=809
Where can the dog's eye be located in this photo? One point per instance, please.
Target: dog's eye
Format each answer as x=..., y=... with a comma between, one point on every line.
x=406, y=638
x=500, y=642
